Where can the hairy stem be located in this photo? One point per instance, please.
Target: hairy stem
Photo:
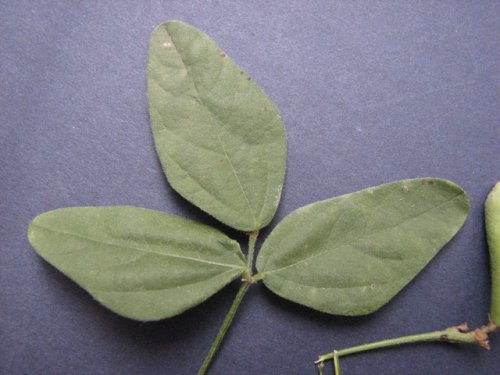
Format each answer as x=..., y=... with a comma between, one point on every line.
x=247, y=281
x=336, y=362
x=458, y=334
x=321, y=365
x=223, y=329
x=252, y=238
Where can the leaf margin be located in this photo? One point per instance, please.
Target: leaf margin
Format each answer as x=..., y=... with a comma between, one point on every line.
x=99, y=295
x=265, y=254
x=265, y=214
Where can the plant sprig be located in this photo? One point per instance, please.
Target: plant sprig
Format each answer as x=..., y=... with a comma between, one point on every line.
x=458, y=334
x=221, y=143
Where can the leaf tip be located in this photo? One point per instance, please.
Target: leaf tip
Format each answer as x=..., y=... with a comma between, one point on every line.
x=31, y=232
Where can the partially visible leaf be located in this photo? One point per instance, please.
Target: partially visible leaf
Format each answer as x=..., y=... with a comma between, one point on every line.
x=220, y=140
x=351, y=254
x=492, y=222
x=142, y=264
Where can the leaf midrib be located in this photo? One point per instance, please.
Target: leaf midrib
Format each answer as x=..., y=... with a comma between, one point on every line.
x=363, y=237
x=137, y=248
x=339, y=287
x=200, y=99
x=219, y=275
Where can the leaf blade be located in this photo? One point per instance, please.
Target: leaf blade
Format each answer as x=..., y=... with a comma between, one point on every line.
x=492, y=224
x=351, y=254
x=220, y=140
x=142, y=264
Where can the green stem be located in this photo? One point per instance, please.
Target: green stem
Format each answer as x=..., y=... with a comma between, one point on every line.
x=459, y=334
x=223, y=329
x=247, y=281
x=336, y=363
x=444, y=335
x=252, y=238
x=320, y=368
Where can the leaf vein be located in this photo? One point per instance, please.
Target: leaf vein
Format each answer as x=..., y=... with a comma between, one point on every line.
x=200, y=99
x=136, y=248
x=164, y=288
x=340, y=287
x=366, y=236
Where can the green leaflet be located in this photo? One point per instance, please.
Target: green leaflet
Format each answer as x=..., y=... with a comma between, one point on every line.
x=221, y=143
x=492, y=221
x=220, y=140
x=351, y=254
x=142, y=264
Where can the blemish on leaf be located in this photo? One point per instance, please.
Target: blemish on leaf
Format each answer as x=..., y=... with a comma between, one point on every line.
x=265, y=109
x=426, y=181
x=248, y=78
x=167, y=44
x=405, y=188
x=222, y=54
x=241, y=72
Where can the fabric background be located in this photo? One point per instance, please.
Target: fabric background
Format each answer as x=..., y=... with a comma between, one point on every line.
x=370, y=92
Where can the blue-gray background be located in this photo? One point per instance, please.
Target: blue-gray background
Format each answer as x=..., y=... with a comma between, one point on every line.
x=370, y=92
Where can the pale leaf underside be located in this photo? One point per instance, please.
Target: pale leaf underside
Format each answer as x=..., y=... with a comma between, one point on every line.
x=141, y=264
x=220, y=140
x=351, y=254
